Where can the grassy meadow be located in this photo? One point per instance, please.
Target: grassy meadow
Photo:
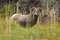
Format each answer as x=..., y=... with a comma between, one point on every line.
x=12, y=31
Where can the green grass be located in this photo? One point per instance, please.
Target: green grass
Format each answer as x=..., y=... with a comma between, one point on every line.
x=35, y=33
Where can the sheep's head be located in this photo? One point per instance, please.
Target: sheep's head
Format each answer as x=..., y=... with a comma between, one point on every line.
x=35, y=11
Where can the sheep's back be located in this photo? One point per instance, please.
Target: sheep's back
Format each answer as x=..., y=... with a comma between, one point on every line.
x=15, y=17
x=24, y=18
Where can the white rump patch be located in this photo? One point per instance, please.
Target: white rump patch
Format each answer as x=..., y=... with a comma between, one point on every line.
x=14, y=15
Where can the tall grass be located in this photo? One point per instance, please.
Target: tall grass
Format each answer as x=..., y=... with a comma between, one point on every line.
x=34, y=33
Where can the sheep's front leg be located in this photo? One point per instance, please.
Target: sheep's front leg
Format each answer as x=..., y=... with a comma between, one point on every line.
x=28, y=23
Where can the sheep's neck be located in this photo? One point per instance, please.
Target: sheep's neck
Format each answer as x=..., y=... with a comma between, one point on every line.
x=35, y=18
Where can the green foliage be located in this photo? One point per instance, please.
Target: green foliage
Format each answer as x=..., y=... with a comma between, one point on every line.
x=7, y=10
x=2, y=11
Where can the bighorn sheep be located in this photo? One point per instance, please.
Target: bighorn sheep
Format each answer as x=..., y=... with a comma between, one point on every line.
x=26, y=20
